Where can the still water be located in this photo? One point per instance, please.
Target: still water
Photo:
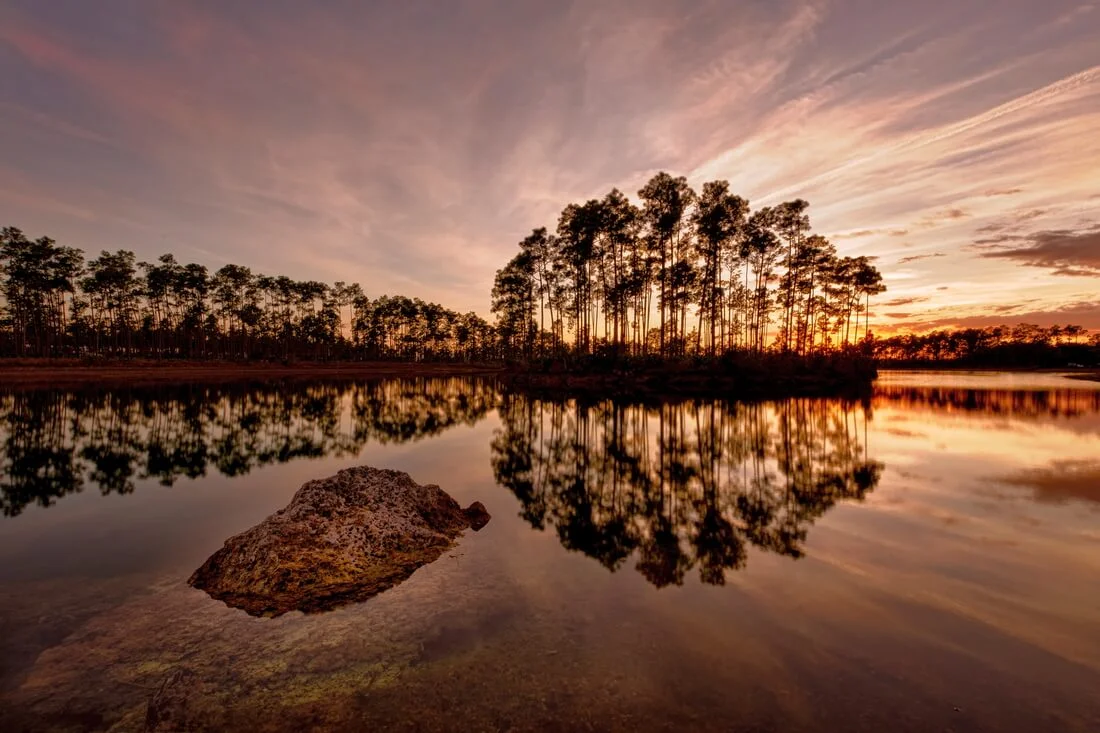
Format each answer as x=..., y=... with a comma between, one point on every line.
x=928, y=560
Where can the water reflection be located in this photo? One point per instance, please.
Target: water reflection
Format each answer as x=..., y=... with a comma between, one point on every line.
x=53, y=443
x=1023, y=403
x=681, y=486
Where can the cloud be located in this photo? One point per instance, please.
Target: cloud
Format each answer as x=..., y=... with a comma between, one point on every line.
x=1010, y=223
x=917, y=258
x=994, y=192
x=898, y=302
x=1063, y=252
x=1085, y=313
x=939, y=218
x=861, y=233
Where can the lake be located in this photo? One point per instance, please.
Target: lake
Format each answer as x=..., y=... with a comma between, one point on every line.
x=926, y=560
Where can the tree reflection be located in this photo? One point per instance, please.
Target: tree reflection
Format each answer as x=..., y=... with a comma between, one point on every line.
x=1007, y=402
x=52, y=443
x=681, y=487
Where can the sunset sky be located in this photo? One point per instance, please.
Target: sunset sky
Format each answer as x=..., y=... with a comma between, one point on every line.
x=409, y=145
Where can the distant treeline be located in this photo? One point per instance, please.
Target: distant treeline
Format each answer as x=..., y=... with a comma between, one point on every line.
x=998, y=346
x=682, y=273
x=56, y=303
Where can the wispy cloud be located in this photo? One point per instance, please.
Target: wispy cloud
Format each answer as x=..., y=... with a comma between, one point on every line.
x=898, y=302
x=918, y=258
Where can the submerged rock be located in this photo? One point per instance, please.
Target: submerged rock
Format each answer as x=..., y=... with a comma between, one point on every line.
x=478, y=515
x=341, y=539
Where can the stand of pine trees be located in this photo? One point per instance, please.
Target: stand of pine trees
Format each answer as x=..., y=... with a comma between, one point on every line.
x=57, y=304
x=680, y=273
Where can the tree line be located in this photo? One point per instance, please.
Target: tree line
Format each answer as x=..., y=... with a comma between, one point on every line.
x=1021, y=345
x=58, y=303
x=682, y=272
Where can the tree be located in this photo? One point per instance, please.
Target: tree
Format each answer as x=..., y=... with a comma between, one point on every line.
x=514, y=303
x=867, y=282
x=579, y=229
x=790, y=222
x=719, y=220
x=619, y=227
x=113, y=291
x=235, y=297
x=665, y=202
x=761, y=247
x=37, y=280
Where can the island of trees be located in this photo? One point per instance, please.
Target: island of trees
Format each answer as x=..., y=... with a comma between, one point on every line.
x=682, y=273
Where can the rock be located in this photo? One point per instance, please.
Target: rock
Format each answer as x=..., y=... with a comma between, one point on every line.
x=341, y=540
x=478, y=515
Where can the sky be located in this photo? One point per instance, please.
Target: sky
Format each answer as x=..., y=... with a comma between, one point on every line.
x=409, y=145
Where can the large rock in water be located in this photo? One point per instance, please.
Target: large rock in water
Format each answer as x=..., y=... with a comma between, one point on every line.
x=341, y=539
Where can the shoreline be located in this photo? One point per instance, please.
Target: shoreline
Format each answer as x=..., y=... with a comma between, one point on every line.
x=63, y=373
x=50, y=373
x=753, y=380
x=1088, y=374
x=658, y=388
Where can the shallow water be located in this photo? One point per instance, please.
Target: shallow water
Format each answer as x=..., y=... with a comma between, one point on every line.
x=927, y=561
